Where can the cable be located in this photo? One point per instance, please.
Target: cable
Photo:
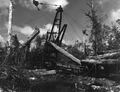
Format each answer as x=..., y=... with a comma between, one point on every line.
x=70, y=23
x=50, y=15
x=34, y=19
x=46, y=16
x=74, y=20
x=89, y=70
x=72, y=26
x=39, y=17
x=74, y=29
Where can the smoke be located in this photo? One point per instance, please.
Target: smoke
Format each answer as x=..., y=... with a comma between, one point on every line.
x=2, y=39
x=48, y=27
x=48, y=4
x=28, y=30
x=63, y=3
x=4, y=3
x=27, y=3
x=114, y=15
x=103, y=1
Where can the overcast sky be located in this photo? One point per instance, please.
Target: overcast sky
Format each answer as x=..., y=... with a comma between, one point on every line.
x=26, y=17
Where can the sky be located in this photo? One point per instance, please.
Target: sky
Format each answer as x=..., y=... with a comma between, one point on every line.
x=26, y=17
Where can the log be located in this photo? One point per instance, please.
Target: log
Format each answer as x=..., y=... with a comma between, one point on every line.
x=65, y=53
x=93, y=61
x=111, y=51
x=101, y=61
x=39, y=72
x=50, y=72
x=108, y=55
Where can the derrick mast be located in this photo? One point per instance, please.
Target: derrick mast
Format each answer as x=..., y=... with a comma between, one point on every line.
x=55, y=36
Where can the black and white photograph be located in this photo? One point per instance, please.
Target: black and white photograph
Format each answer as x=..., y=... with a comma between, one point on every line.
x=59, y=45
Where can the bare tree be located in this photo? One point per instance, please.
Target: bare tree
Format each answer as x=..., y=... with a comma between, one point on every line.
x=96, y=18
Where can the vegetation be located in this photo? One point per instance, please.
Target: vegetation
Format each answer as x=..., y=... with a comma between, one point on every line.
x=102, y=37
x=96, y=19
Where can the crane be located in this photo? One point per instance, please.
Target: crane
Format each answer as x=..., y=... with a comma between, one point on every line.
x=54, y=39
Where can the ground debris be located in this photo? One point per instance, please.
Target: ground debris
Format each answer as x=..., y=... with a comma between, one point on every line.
x=90, y=84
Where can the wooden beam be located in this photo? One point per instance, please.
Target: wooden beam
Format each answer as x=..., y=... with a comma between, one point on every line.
x=65, y=53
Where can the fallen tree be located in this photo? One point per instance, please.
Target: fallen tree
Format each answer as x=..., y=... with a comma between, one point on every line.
x=65, y=53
